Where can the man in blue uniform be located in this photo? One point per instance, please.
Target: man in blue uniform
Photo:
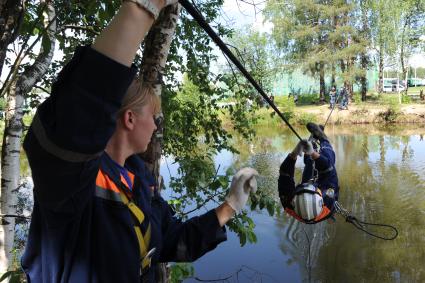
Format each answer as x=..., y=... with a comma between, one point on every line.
x=313, y=199
x=95, y=218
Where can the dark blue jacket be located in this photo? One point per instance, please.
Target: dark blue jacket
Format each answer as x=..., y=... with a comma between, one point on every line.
x=75, y=234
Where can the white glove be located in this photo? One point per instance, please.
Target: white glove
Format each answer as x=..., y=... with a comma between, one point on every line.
x=307, y=147
x=243, y=183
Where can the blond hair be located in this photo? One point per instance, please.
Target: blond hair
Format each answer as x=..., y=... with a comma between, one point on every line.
x=138, y=95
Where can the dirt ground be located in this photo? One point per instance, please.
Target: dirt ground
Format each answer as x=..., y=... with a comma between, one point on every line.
x=367, y=113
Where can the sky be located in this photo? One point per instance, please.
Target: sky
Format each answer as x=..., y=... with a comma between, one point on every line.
x=246, y=14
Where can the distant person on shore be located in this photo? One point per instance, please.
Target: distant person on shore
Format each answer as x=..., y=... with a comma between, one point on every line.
x=313, y=200
x=343, y=94
x=332, y=97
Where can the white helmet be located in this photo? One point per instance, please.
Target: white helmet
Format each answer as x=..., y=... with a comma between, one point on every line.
x=308, y=201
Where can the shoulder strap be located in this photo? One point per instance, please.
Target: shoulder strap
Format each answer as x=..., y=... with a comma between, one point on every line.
x=136, y=212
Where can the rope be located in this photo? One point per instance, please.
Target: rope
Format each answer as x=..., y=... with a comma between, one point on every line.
x=333, y=107
x=361, y=225
x=207, y=28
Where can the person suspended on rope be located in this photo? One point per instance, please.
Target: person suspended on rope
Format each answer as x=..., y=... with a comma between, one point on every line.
x=95, y=216
x=313, y=200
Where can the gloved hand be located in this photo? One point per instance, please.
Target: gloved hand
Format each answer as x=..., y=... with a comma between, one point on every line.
x=307, y=147
x=243, y=183
x=298, y=149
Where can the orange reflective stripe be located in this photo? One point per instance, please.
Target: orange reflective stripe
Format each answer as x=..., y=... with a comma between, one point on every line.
x=106, y=188
x=131, y=175
x=293, y=214
x=103, y=181
x=325, y=212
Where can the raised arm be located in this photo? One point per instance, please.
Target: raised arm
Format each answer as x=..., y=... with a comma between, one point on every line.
x=73, y=126
x=121, y=39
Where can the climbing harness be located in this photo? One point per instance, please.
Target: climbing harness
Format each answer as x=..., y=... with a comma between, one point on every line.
x=361, y=225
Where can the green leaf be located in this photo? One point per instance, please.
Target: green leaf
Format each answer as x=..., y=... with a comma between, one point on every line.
x=271, y=208
x=242, y=239
x=6, y=275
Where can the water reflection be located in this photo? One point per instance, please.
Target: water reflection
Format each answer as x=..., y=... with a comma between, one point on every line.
x=381, y=172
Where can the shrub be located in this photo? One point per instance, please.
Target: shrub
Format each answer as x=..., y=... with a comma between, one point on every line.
x=405, y=99
x=286, y=106
x=307, y=99
x=304, y=118
x=390, y=115
x=357, y=98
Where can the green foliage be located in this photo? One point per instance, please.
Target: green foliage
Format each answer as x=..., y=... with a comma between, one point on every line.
x=305, y=117
x=308, y=99
x=14, y=276
x=405, y=99
x=389, y=99
x=390, y=115
x=244, y=227
x=357, y=97
x=255, y=51
x=317, y=36
x=286, y=106
x=263, y=200
x=2, y=104
x=181, y=271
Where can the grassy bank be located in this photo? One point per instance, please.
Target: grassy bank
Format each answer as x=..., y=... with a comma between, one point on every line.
x=378, y=109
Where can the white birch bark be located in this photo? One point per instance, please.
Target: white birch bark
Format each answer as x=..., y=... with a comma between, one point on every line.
x=157, y=47
x=11, y=147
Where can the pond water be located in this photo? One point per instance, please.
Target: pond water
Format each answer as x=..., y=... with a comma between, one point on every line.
x=382, y=177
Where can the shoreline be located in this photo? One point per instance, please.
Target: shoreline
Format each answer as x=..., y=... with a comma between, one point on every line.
x=364, y=114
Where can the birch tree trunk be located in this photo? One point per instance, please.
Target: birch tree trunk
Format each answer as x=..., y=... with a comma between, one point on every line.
x=11, y=15
x=11, y=147
x=157, y=47
x=322, y=81
x=381, y=68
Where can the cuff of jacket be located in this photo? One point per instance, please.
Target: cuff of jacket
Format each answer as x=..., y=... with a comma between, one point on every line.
x=213, y=232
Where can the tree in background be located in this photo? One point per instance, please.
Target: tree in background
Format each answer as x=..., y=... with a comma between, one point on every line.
x=11, y=17
x=410, y=21
x=383, y=30
x=320, y=36
x=25, y=76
